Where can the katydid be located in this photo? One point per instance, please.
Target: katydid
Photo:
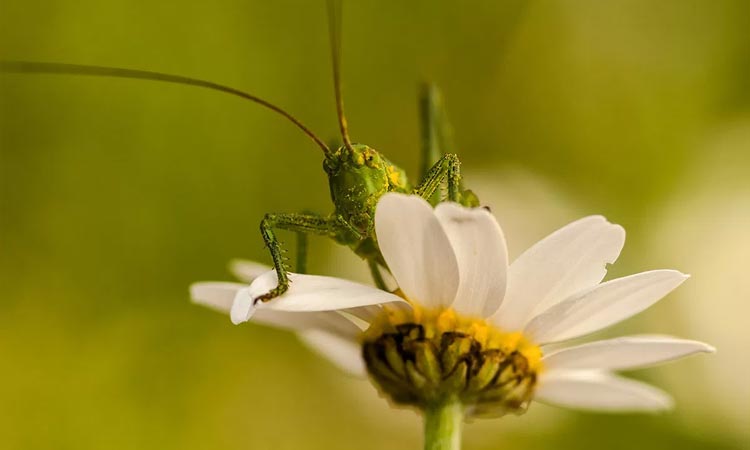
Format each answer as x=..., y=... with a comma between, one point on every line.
x=358, y=175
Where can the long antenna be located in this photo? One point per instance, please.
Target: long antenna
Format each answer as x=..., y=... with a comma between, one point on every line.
x=334, y=33
x=78, y=69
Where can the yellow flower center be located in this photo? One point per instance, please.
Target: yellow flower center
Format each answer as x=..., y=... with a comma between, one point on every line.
x=420, y=357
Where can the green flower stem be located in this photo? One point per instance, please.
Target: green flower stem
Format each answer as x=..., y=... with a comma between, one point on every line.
x=442, y=426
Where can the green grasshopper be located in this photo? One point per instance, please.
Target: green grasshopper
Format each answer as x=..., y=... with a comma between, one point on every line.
x=358, y=175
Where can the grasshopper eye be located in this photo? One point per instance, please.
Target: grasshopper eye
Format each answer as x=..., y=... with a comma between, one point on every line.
x=371, y=161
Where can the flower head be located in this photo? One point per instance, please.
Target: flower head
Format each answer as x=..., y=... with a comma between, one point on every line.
x=466, y=325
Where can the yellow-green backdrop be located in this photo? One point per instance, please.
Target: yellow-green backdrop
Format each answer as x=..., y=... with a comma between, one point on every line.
x=116, y=195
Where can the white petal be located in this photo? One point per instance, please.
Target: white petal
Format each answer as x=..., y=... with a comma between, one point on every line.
x=242, y=306
x=599, y=391
x=605, y=305
x=366, y=314
x=346, y=354
x=567, y=261
x=329, y=321
x=417, y=251
x=308, y=293
x=629, y=352
x=481, y=254
x=246, y=270
x=216, y=295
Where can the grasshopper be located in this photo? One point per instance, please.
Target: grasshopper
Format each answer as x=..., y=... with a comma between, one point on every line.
x=358, y=175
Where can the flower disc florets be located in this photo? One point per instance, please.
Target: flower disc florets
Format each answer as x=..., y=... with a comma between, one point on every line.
x=421, y=357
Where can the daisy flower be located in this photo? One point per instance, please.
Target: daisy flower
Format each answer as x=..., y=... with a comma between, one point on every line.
x=467, y=333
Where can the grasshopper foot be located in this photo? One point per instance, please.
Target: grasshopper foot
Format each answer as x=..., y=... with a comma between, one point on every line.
x=272, y=294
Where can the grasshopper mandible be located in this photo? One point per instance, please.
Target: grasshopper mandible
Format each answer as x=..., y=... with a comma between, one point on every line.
x=358, y=175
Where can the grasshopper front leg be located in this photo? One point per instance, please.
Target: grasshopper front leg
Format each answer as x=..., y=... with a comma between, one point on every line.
x=302, y=224
x=448, y=168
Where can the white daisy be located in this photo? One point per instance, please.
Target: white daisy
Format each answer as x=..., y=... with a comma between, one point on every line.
x=466, y=325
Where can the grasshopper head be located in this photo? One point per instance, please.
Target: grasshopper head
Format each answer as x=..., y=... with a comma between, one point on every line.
x=358, y=177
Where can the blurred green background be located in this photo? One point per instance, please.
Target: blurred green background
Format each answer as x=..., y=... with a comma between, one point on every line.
x=115, y=195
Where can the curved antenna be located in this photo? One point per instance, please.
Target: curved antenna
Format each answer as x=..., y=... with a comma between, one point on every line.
x=334, y=34
x=79, y=69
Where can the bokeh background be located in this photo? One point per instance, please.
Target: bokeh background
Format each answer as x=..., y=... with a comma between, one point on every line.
x=115, y=195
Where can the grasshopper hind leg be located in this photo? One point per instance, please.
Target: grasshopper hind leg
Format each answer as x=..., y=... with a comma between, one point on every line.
x=436, y=133
x=439, y=161
x=302, y=245
x=377, y=275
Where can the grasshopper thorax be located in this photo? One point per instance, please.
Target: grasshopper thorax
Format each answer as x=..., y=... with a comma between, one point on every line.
x=358, y=176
